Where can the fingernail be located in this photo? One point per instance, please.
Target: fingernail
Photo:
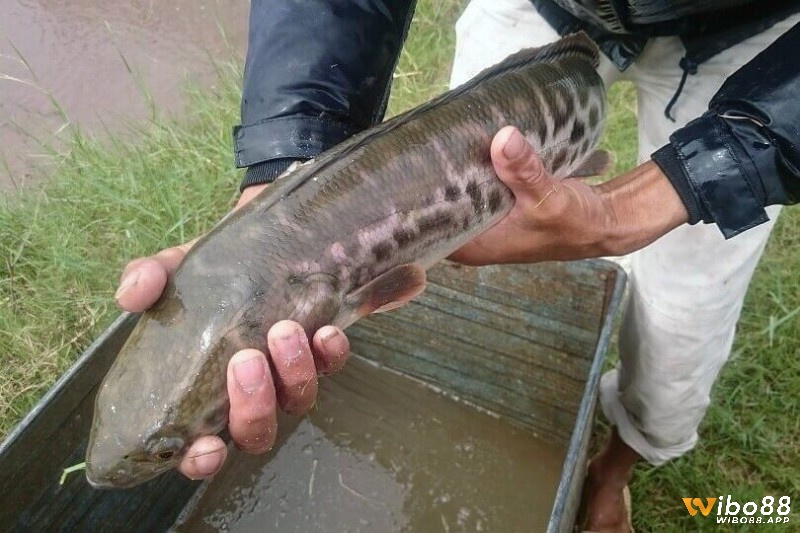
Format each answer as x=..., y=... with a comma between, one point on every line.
x=207, y=463
x=249, y=374
x=290, y=346
x=514, y=146
x=328, y=339
x=127, y=282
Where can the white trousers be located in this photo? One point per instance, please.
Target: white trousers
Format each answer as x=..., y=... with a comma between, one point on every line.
x=687, y=288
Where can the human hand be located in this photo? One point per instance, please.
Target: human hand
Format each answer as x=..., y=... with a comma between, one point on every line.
x=570, y=219
x=257, y=384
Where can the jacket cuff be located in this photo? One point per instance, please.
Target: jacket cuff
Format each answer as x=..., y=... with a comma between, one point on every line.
x=265, y=172
x=721, y=180
x=292, y=137
x=667, y=159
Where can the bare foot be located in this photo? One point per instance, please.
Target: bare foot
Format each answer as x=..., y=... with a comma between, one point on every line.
x=605, y=506
x=608, y=474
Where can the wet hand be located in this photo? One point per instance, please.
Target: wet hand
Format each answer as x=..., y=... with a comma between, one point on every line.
x=569, y=219
x=551, y=219
x=256, y=388
x=258, y=383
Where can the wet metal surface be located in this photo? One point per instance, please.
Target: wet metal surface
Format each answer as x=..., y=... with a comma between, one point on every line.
x=74, y=52
x=384, y=453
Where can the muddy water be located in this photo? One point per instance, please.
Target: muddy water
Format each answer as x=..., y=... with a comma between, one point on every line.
x=383, y=453
x=71, y=52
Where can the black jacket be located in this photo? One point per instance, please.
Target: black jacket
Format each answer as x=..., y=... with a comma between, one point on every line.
x=319, y=71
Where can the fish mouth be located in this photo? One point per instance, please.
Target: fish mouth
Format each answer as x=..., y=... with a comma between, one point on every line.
x=108, y=465
x=120, y=477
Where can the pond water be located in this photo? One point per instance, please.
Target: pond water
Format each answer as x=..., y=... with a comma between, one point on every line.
x=382, y=452
x=78, y=53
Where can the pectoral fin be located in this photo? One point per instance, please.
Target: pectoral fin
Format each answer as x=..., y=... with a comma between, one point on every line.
x=390, y=290
x=597, y=163
x=316, y=300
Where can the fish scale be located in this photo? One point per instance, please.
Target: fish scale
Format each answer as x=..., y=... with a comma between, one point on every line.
x=340, y=237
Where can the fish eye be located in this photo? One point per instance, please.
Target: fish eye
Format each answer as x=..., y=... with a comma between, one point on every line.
x=165, y=448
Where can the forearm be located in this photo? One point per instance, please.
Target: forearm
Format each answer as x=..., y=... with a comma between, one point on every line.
x=317, y=72
x=642, y=205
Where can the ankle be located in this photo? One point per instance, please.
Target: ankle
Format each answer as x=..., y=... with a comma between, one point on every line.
x=603, y=473
x=613, y=466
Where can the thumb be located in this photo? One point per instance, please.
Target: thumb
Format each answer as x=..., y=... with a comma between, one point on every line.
x=144, y=279
x=519, y=167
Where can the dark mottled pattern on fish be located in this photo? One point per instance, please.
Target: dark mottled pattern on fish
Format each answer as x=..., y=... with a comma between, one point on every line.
x=411, y=191
x=578, y=132
x=451, y=193
x=594, y=116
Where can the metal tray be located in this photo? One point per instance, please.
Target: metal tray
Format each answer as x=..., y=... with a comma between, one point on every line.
x=547, y=325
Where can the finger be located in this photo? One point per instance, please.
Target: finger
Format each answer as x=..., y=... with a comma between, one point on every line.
x=293, y=364
x=331, y=349
x=252, y=420
x=141, y=285
x=204, y=458
x=249, y=193
x=519, y=167
x=143, y=279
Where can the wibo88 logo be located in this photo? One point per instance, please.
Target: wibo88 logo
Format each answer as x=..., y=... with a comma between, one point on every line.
x=729, y=511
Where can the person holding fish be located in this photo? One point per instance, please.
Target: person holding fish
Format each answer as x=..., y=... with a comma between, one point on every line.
x=718, y=144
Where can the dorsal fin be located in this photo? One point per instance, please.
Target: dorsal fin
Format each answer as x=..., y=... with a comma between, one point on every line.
x=576, y=46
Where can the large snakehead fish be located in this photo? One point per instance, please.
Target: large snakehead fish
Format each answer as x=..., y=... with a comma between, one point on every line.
x=343, y=236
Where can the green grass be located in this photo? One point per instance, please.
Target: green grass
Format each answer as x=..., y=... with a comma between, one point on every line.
x=63, y=245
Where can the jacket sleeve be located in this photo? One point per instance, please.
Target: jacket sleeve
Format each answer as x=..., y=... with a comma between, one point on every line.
x=316, y=72
x=744, y=153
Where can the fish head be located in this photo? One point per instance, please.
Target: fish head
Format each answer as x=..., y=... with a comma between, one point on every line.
x=134, y=435
x=114, y=461
x=145, y=409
